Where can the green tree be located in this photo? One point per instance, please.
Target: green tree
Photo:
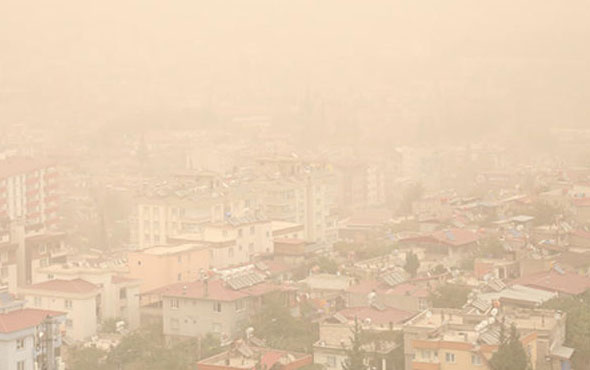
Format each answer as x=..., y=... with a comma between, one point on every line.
x=450, y=296
x=577, y=326
x=491, y=248
x=275, y=324
x=327, y=265
x=355, y=355
x=511, y=355
x=86, y=358
x=412, y=263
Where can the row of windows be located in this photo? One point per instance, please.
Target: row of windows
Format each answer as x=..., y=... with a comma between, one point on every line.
x=240, y=305
x=38, y=302
x=426, y=354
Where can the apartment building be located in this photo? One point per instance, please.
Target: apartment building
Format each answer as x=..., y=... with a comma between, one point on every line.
x=21, y=255
x=465, y=350
x=464, y=339
x=302, y=200
x=78, y=298
x=119, y=295
x=218, y=306
x=21, y=345
x=8, y=265
x=243, y=356
x=28, y=191
x=169, y=211
x=156, y=267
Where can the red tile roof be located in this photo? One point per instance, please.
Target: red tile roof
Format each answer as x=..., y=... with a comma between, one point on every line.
x=22, y=319
x=568, y=282
x=270, y=358
x=409, y=290
x=65, y=286
x=456, y=237
x=389, y=314
x=581, y=202
x=217, y=290
x=581, y=233
x=453, y=237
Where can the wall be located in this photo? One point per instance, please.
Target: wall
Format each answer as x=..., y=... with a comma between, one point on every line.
x=82, y=313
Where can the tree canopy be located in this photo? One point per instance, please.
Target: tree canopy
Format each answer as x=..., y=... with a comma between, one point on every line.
x=412, y=263
x=511, y=355
x=450, y=296
x=355, y=355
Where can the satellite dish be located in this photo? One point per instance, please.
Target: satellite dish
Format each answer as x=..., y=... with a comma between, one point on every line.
x=494, y=311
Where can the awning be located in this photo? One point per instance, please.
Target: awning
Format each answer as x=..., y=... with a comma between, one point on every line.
x=562, y=352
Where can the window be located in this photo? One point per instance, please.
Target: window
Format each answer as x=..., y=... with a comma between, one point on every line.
x=44, y=262
x=422, y=304
x=179, y=276
x=217, y=306
x=4, y=271
x=449, y=357
x=174, y=304
x=230, y=252
x=252, y=230
x=251, y=247
x=20, y=365
x=240, y=233
x=174, y=324
x=20, y=343
x=123, y=293
x=180, y=259
x=4, y=257
x=240, y=305
x=475, y=360
x=69, y=323
x=68, y=304
x=42, y=249
x=38, y=301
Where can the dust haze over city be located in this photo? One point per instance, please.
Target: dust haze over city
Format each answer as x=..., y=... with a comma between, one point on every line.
x=315, y=185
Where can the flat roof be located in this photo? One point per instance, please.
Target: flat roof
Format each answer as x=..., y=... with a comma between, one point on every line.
x=169, y=250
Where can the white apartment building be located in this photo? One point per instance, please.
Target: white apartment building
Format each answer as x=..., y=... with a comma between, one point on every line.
x=20, y=346
x=119, y=296
x=77, y=298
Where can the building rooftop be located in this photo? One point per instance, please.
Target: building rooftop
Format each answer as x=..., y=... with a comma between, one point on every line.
x=172, y=250
x=383, y=316
x=556, y=281
x=24, y=318
x=75, y=286
x=217, y=290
